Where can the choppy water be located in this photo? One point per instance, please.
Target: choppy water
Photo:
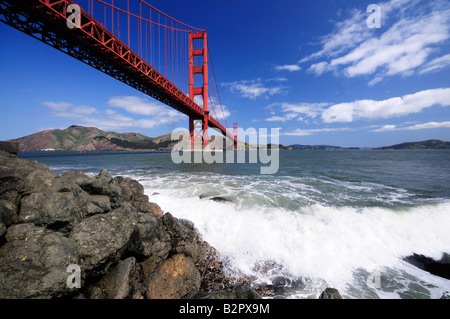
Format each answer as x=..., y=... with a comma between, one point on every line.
x=343, y=218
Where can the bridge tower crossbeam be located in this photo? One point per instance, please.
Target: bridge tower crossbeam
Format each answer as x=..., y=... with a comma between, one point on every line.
x=201, y=54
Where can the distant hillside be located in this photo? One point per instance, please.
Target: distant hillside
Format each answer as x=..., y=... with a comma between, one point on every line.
x=79, y=138
x=424, y=145
x=314, y=147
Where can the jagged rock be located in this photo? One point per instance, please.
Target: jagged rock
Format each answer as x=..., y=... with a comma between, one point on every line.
x=48, y=222
x=239, y=291
x=52, y=210
x=102, y=239
x=33, y=263
x=176, y=277
x=133, y=192
x=220, y=199
x=150, y=237
x=10, y=147
x=8, y=213
x=330, y=293
x=18, y=176
x=131, y=189
x=88, y=204
x=2, y=229
x=76, y=177
x=116, y=283
x=180, y=229
x=186, y=240
x=439, y=268
x=103, y=184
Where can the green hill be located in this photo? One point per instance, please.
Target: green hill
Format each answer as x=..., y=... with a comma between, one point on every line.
x=424, y=145
x=79, y=138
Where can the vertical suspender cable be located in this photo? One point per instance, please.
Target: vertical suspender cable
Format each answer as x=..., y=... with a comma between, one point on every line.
x=128, y=9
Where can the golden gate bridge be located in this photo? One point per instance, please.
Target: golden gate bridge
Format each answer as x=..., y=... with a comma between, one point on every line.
x=137, y=44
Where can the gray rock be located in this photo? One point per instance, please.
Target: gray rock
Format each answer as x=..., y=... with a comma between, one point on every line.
x=239, y=291
x=52, y=210
x=76, y=177
x=102, y=184
x=10, y=147
x=330, y=293
x=8, y=213
x=133, y=192
x=150, y=237
x=439, y=268
x=33, y=263
x=20, y=176
x=102, y=239
x=180, y=229
x=220, y=199
x=2, y=229
x=116, y=283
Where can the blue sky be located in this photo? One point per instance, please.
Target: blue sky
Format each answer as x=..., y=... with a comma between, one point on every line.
x=314, y=69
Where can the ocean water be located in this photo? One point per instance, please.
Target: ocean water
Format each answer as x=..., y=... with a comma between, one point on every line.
x=342, y=219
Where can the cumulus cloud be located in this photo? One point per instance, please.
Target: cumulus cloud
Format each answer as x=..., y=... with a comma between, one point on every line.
x=57, y=106
x=384, y=109
x=423, y=126
x=298, y=111
x=288, y=67
x=156, y=114
x=307, y=132
x=253, y=89
x=401, y=47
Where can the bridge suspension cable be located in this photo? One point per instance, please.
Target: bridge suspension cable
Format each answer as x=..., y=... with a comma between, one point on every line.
x=161, y=40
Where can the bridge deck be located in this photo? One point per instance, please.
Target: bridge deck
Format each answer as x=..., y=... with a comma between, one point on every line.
x=93, y=44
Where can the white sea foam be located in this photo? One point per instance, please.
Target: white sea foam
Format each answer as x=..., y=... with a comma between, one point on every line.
x=324, y=245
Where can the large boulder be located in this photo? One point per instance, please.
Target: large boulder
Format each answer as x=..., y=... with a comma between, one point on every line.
x=102, y=239
x=150, y=238
x=18, y=176
x=33, y=263
x=116, y=284
x=52, y=210
x=133, y=192
x=176, y=277
x=241, y=290
x=330, y=293
x=102, y=184
x=8, y=213
x=187, y=240
x=439, y=267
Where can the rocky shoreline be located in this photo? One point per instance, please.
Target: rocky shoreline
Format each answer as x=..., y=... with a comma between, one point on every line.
x=76, y=236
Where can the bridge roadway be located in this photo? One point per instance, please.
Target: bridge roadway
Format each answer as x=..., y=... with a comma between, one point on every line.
x=90, y=42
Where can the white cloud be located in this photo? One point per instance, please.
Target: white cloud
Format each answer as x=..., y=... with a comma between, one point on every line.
x=156, y=114
x=278, y=79
x=289, y=67
x=302, y=132
x=318, y=68
x=57, y=106
x=136, y=105
x=297, y=111
x=85, y=110
x=424, y=126
x=436, y=64
x=394, y=107
x=253, y=89
x=375, y=80
x=221, y=112
x=353, y=49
